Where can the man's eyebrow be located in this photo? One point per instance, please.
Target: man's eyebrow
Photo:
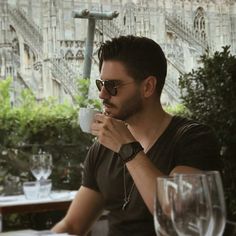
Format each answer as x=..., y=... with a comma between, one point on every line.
x=110, y=79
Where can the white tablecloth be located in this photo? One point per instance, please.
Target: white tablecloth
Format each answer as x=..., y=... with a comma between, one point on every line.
x=21, y=200
x=30, y=232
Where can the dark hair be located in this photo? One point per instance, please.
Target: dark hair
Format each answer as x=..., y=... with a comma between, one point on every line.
x=142, y=57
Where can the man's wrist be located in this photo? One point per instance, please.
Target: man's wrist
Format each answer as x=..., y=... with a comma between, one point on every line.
x=128, y=151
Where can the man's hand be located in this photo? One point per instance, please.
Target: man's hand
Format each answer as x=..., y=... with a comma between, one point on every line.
x=111, y=133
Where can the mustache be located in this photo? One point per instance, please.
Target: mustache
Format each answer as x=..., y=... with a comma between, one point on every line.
x=107, y=102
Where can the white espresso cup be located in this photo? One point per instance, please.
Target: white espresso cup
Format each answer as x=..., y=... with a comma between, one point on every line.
x=86, y=117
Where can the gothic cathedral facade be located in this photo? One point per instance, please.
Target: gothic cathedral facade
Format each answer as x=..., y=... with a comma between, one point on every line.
x=42, y=46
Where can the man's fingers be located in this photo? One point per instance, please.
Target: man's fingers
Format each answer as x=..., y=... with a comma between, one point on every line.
x=99, y=117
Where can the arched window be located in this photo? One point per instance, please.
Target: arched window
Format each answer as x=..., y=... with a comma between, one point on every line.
x=69, y=55
x=199, y=24
x=203, y=35
x=79, y=55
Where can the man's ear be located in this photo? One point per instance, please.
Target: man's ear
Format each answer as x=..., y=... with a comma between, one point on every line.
x=149, y=86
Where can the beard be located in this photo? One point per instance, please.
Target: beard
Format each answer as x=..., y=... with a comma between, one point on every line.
x=130, y=107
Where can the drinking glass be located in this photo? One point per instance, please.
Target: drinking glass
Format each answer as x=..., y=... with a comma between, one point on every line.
x=45, y=188
x=218, y=202
x=191, y=205
x=162, y=206
x=36, y=167
x=31, y=189
x=41, y=165
x=47, y=165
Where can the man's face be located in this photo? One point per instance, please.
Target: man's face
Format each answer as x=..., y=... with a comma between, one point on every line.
x=127, y=101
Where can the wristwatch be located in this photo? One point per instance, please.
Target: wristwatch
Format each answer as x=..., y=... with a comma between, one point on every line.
x=129, y=150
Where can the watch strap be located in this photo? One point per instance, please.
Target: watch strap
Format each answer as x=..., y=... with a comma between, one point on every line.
x=134, y=149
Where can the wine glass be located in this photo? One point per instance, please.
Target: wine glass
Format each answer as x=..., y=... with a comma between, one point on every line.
x=218, y=202
x=40, y=165
x=162, y=206
x=36, y=167
x=47, y=165
x=191, y=205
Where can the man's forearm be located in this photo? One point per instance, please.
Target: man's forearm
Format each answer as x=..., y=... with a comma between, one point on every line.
x=60, y=227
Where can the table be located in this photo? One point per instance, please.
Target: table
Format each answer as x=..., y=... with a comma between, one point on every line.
x=19, y=233
x=30, y=232
x=58, y=200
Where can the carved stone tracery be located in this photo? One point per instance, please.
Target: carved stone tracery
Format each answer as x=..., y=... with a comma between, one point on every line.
x=56, y=45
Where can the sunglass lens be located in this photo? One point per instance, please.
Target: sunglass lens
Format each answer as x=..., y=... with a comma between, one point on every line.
x=110, y=86
x=99, y=84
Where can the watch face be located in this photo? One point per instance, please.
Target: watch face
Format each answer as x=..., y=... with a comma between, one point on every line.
x=126, y=151
x=129, y=150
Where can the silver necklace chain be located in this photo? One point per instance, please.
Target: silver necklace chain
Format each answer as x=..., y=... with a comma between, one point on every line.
x=154, y=138
x=126, y=196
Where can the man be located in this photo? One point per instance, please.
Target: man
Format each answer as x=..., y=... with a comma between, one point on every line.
x=137, y=142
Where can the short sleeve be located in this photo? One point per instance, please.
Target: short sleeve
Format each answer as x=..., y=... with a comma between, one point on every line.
x=89, y=173
x=198, y=147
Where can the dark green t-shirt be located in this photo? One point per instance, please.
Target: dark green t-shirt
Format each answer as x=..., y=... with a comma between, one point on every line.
x=184, y=142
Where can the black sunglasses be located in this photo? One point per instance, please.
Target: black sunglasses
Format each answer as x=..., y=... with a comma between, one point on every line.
x=110, y=85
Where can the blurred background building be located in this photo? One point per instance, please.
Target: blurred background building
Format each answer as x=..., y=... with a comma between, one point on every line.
x=43, y=47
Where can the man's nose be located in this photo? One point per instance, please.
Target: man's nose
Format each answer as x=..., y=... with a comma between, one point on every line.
x=103, y=94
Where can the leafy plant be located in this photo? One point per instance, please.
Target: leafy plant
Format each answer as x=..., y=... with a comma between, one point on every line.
x=32, y=126
x=209, y=93
x=82, y=98
x=177, y=109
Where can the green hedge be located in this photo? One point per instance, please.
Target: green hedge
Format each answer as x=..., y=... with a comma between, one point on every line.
x=32, y=126
x=209, y=94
